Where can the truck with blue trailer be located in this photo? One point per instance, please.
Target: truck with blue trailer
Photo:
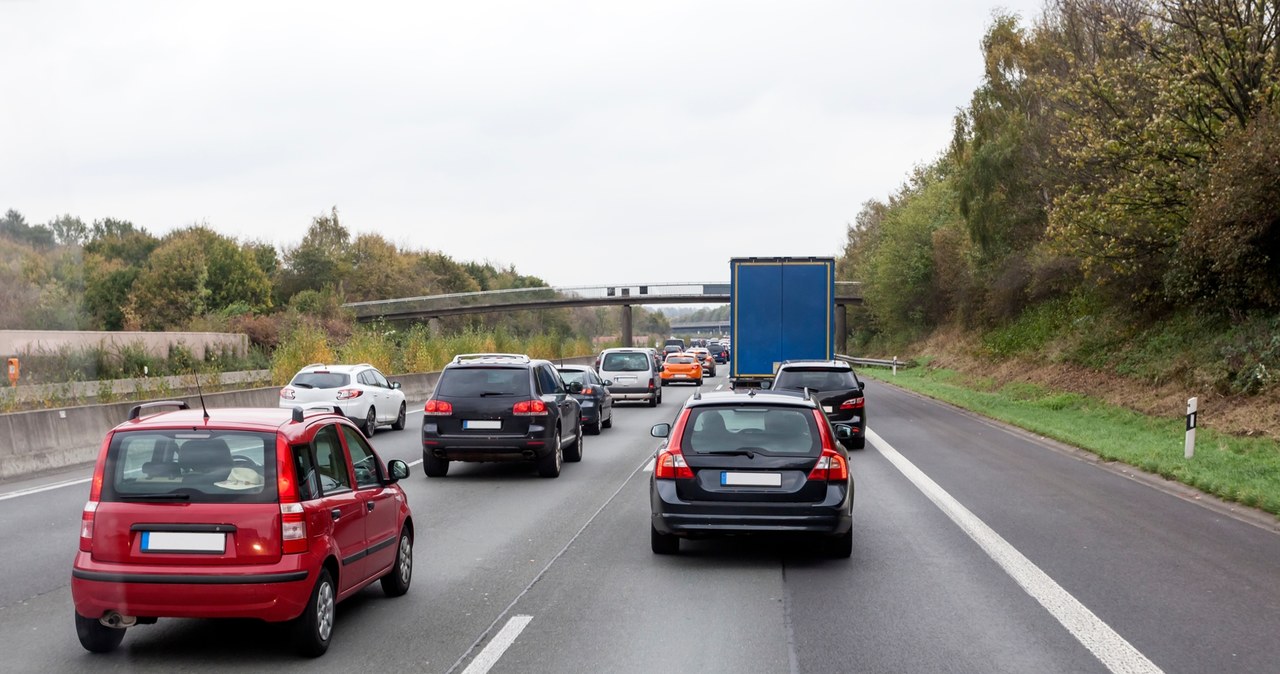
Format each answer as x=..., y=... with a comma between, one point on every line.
x=781, y=308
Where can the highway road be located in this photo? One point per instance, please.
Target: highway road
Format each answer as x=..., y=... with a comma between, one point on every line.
x=976, y=549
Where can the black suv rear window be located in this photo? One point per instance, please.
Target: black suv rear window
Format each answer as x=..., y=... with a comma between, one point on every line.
x=470, y=382
x=818, y=379
x=626, y=362
x=197, y=467
x=320, y=380
x=757, y=428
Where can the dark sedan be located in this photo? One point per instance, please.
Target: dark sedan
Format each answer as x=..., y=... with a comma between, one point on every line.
x=745, y=462
x=596, y=402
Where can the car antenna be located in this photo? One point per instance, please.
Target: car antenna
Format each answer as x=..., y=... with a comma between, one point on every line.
x=201, y=394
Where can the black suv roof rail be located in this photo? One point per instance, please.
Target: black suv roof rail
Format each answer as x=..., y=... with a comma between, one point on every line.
x=300, y=411
x=519, y=357
x=136, y=410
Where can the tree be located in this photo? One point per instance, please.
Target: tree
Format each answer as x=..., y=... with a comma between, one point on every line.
x=172, y=288
x=321, y=260
x=234, y=277
x=69, y=230
x=14, y=226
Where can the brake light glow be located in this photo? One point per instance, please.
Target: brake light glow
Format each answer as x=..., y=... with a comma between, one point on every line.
x=349, y=393
x=853, y=404
x=529, y=408
x=830, y=467
x=588, y=391
x=287, y=393
x=440, y=408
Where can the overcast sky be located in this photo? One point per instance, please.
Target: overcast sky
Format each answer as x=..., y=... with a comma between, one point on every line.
x=584, y=142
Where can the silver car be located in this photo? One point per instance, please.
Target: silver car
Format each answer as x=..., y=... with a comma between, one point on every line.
x=634, y=374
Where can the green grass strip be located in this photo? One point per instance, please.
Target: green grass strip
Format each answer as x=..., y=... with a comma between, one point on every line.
x=1244, y=470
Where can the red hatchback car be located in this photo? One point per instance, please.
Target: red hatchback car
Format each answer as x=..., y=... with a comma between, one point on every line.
x=274, y=514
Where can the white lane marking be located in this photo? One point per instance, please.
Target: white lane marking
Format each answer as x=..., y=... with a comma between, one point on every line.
x=47, y=487
x=414, y=463
x=1117, y=654
x=719, y=387
x=499, y=645
x=647, y=466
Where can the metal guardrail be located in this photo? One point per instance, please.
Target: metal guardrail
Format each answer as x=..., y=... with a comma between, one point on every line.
x=893, y=363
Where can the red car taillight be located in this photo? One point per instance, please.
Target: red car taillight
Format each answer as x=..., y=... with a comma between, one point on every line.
x=830, y=467
x=287, y=393
x=529, y=408
x=588, y=391
x=853, y=404
x=349, y=393
x=95, y=495
x=440, y=408
x=293, y=522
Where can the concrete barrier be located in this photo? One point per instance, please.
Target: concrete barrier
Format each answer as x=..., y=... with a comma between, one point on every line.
x=42, y=440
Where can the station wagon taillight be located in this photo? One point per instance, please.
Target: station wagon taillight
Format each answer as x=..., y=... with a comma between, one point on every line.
x=287, y=393
x=349, y=393
x=830, y=467
x=671, y=465
x=441, y=408
x=529, y=408
x=853, y=404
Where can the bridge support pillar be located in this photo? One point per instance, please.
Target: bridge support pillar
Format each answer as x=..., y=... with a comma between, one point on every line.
x=841, y=328
x=626, y=325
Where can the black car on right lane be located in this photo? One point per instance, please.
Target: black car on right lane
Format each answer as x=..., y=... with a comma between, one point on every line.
x=833, y=384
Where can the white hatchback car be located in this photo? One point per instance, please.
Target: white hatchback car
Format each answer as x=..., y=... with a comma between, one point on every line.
x=359, y=391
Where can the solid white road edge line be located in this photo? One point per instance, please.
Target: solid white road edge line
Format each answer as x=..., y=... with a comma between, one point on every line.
x=499, y=645
x=47, y=487
x=1117, y=654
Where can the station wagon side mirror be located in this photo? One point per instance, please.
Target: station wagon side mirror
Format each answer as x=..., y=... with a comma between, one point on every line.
x=844, y=432
x=399, y=470
x=660, y=430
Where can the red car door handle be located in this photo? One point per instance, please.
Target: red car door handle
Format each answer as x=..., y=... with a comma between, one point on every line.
x=368, y=504
x=336, y=513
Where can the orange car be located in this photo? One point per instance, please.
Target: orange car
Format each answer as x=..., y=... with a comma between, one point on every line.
x=681, y=367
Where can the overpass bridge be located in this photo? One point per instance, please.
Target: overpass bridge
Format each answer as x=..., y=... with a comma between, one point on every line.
x=622, y=295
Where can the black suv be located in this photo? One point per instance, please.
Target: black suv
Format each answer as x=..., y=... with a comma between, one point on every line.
x=833, y=385
x=501, y=407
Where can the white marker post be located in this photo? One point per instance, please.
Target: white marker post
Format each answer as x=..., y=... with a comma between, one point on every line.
x=1189, y=450
x=895, y=366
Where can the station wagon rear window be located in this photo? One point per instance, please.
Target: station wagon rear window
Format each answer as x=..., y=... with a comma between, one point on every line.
x=219, y=466
x=756, y=428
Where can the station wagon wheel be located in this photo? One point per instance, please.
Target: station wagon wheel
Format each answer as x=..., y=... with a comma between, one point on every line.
x=313, y=630
x=396, y=582
x=399, y=423
x=370, y=423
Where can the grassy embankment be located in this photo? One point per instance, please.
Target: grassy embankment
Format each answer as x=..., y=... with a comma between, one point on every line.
x=1242, y=465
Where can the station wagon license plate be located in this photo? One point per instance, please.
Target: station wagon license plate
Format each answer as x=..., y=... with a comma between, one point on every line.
x=728, y=479
x=482, y=424
x=183, y=541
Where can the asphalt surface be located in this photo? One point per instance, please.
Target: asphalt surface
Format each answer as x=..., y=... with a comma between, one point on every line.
x=518, y=573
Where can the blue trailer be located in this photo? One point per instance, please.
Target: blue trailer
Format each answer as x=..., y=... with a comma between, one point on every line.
x=781, y=308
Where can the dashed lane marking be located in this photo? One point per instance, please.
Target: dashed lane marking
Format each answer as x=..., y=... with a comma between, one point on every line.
x=498, y=645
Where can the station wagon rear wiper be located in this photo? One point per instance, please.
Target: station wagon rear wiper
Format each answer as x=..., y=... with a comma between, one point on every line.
x=733, y=452
x=155, y=497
